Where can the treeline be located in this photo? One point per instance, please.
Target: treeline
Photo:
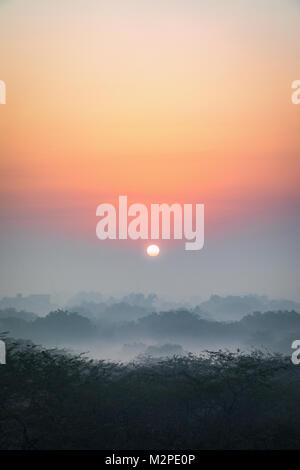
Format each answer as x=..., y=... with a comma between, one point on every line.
x=218, y=400
x=97, y=306
x=272, y=330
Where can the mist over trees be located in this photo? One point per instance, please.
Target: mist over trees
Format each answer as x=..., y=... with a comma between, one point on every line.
x=95, y=304
x=108, y=330
x=92, y=322
x=121, y=373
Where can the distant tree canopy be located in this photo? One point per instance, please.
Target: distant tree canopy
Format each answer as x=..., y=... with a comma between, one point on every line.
x=270, y=330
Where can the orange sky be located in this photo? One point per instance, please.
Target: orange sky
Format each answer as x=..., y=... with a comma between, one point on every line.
x=158, y=103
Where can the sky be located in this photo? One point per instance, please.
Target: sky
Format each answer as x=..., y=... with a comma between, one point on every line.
x=170, y=101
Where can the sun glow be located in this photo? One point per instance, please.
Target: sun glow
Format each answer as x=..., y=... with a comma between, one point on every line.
x=153, y=250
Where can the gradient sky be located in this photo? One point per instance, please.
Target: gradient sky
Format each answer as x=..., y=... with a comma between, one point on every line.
x=164, y=101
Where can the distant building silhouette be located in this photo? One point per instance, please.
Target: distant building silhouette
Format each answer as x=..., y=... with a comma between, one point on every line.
x=37, y=303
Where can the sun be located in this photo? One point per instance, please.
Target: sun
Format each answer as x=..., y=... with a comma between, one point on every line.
x=153, y=250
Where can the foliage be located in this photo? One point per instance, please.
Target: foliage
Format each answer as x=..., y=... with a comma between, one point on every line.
x=50, y=399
